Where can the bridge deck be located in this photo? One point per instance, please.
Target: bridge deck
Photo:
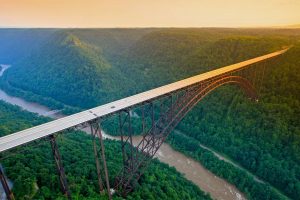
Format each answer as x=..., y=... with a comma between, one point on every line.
x=25, y=136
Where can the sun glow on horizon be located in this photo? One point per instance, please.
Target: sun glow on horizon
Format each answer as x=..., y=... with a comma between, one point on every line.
x=148, y=13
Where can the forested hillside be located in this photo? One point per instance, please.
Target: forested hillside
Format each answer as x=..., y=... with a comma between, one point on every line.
x=113, y=42
x=263, y=137
x=167, y=56
x=32, y=168
x=96, y=67
x=83, y=69
x=69, y=71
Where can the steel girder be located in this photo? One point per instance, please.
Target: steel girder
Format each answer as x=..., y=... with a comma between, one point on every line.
x=8, y=192
x=185, y=100
x=97, y=136
x=60, y=169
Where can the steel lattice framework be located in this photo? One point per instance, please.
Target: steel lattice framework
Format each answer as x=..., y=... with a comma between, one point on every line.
x=137, y=159
x=157, y=111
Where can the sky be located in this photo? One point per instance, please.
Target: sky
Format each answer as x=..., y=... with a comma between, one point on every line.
x=148, y=13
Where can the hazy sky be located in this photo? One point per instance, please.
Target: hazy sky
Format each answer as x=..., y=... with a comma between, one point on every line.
x=148, y=13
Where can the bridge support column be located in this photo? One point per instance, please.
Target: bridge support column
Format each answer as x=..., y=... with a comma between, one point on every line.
x=8, y=192
x=100, y=182
x=96, y=132
x=127, y=146
x=60, y=170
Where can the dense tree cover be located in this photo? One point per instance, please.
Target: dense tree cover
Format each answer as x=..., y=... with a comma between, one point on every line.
x=167, y=56
x=14, y=119
x=263, y=137
x=66, y=70
x=33, y=97
x=244, y=182
x=32, y=168
x=113, y=42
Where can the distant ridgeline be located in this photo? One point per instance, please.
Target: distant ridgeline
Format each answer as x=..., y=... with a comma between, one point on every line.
x=16, y=44
x=83, y=68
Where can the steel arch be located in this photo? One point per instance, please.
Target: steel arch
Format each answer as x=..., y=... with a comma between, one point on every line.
x=154, y=138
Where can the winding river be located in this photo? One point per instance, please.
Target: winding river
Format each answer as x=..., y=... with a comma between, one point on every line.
x=191, y=169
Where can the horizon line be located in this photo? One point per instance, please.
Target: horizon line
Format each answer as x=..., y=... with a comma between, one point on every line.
x=289, y=26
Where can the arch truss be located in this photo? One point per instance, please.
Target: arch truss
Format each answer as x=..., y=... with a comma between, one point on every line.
x=160, y=116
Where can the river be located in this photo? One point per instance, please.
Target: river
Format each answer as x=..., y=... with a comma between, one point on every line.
x=191, y=169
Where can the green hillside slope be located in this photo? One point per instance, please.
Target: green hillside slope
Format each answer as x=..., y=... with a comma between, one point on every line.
x=113, y=42
x=67, y=70
x=263, y=137
x=170, y=55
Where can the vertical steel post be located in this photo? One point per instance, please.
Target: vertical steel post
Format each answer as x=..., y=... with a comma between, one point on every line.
x=152, y=115
x=247, y=74
x=153, y=122
x=171, y=112
x=161, y=107
x=59, y=167
x=130, y=139
x=171, y=106
x=143, y=118
x=262, y=76
x=254, y=78
x=100, y=182
x=99, y=133
x=8, y=192
x=122, y=139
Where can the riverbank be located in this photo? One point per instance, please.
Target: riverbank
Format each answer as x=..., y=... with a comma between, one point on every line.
x=220, y=156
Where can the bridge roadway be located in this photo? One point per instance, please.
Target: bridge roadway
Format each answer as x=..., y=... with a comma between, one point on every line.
x=43, y=130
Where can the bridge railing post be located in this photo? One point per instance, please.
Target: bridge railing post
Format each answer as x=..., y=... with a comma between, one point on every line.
x=60, y=168
x=8, y=192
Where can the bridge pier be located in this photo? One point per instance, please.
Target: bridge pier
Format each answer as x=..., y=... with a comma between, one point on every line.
x=100, y=182
x=127, y=146
x=60, y=170
x=8, y=192
x=96, y=132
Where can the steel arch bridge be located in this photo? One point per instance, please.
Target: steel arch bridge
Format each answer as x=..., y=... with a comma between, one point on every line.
x=159, y=111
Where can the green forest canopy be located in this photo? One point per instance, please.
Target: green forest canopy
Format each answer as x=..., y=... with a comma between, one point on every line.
x=263, y=137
